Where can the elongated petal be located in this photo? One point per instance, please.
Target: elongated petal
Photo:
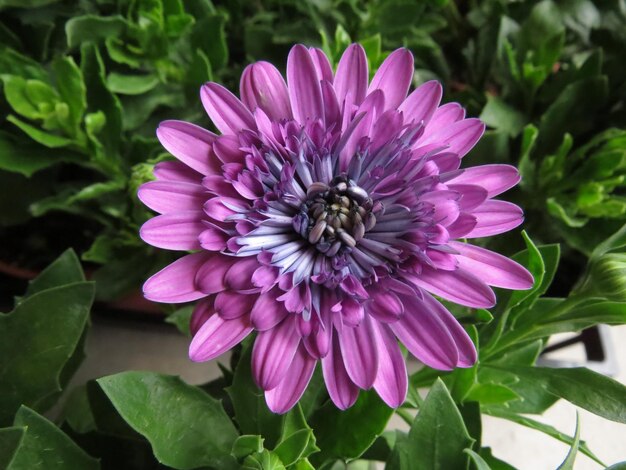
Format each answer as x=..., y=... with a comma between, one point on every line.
x=456, y=286
x=322, y=64
x=283, y=397
x=304, y=87
x=201, y=313
x=391, y=380
x=176, y=171
x=352, y=75
x=445, y=116
x=267, y=312
x=394, y=77
x=425, y=335
x=422, y=103
x=360, y=354
x=213, y=239
x=262, y=86
x=461, y=136
x=385, y=306
x=174, y=231
x=492, y=268
x=230, y=304
x=210, y=276
x=225, y=110
x=217, y=336
x=176, y=283
x=189, y=143
x=472, y=195
x=273, y=353
x=494, y=178
x=343, y=392
x=464, y=344
x=494, y=217
x=172, y=196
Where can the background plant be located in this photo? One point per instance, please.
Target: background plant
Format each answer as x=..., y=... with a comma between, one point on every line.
x=85, y=84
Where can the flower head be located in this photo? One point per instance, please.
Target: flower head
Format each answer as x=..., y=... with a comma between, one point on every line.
x=324, y=217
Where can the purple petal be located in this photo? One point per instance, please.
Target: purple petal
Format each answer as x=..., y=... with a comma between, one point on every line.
x=391, y=381
x=226, y=148
x=322, y=65
x=210, y=276
x=189, y=143
x=461, y=136
x=351, y=312
x=494, y=217
x=464, y=344
x=176, y=171
x=352, y=75
x=494, y=178
x=174, y=231
x=445, y=116
x=172, y=196
x=343, y=392
x=492, y=268
x=282, y=398
x=213, y=239
x=385, y=306
x=360, y=354
x=231, y=304
x=332, y=113
x=201, y=313
x=262, y=86
x=221, y=208
x=472, y=195
x=217, y=336
x=394, y=77
x=422, y=103
x=425, y=335
x=176, y=283
x=463, y=225
x=304, y=87
x=445, y=206
x=273, y=353
x=239, y=276
x=226, y=111
x=457, y=286
x=267, y=312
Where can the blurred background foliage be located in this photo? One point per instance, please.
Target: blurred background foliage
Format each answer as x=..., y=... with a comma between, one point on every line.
x=85, y=83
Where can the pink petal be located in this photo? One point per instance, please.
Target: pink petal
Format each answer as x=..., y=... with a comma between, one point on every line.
x=472, y=195
x=262, y=86
x=463, y=225
x=267, y=312
x=273, y=353
x=351, y=311
x=201, y=313
x=391, y=380
x=494, y=178
x=360, y=353
x=210, y=276
x=464, y=344
x=422, y=103
x=230, y=304
x=457, y=286
x=221, y=208
x=227, y=149
x=174, y=231
x=176, y=171
x=239, y=276
x=492, y=268
x=445, y=205
x=304, y=87
x=352, y=75
x=282, y=398
x=213, y=239
x=394, y=77
x=494, y=217
x=322, y=65
x=226, y=111
x=217, y=336
x=176, y=283
x=343, y=392
x=332, y=113
x=461, y=136
x=445, y=116
x=425, y=335
x=172, y=196
x=385, y=306
x=189, y=143
x=217, y=185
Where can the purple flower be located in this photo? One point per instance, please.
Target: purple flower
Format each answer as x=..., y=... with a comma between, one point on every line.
x=324, y=218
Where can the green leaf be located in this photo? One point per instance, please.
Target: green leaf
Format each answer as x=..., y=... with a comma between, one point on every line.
x=66, y=269
x=131, y=84
x=37, y=339
x=27, y=104
x=526, y=166
x=500, y=115
x=46, y=447
x=494, y=462
x=24, y=157
x=479, y=462
x=612, y=243
x=582, y=387
x=251, y=412
x=438, y=435
x=180, y=318
x=568, y=463
x=44, y=138
x=10, y=441
x=297, y=440
x=366, y=419
x=185, y=426
x=69, y=82
x=491, y=393
x=246, y=445
x=82, y=29
x=266, y=460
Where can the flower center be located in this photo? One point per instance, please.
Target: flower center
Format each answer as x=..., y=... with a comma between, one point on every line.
x=335, y=216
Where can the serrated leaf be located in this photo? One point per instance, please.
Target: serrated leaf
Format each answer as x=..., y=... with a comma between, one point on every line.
x=82, y=29
x=246, y=445
x=185, y=426
x=44, y=138
x=297, y=440
x=71, y=87
x=46, y=447
x=502, y=116
x=66, y=269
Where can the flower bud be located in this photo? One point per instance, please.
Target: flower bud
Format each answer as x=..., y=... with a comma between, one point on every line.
x=608, y=276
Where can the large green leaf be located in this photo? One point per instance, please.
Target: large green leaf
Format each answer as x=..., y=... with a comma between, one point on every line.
x=186, y=427
x=438, y=435
x=71, y=87
x=66, y=269
x=10, y=440
x=82, y=29
x=297, y=441
x=46, y=447
x=582, y=387
x=40, y=336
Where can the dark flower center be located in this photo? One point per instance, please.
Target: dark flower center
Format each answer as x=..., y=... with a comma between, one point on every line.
x=335, y=216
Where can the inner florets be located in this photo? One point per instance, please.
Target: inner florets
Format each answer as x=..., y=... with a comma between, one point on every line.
x=335, y=216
